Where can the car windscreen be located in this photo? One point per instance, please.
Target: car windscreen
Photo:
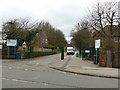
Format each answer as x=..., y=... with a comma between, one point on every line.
x=69, y=49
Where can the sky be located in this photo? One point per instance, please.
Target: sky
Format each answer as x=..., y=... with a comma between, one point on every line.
x=62, y=14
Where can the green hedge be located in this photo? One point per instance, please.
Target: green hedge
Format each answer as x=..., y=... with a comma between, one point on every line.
x=38, y=54
x=27, y=54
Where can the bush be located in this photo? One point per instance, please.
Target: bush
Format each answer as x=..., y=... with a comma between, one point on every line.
x=26, y=54
x=38, y=54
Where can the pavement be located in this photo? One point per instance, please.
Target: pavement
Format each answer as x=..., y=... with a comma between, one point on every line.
x=72, y=64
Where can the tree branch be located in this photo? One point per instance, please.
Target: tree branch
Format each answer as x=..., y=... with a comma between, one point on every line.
x=97, y=30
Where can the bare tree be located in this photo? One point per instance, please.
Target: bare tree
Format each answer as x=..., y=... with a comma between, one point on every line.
x=81, y=37
x=104, y=21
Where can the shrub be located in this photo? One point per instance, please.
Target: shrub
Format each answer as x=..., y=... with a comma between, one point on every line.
x=38, y=54
x=26, y=54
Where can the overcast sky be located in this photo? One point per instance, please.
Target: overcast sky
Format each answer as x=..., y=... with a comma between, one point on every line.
x=62, y=14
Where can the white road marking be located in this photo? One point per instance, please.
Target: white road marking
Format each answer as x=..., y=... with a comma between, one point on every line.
x=64, y=72
x=18, y=80
x=25, y=69
x=37, y=63
x=10, y=67
x=44, y=83
x=25, y=81
x=5, y=79
x=33, y=69
x=74, y=74
x=20, y=68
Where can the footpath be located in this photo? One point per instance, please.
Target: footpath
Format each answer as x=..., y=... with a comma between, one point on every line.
x=76, y=65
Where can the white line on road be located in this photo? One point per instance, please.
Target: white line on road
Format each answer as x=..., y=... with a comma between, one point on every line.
x=5, y=79
x=33, y=69
x=37, y=63
x=25, y=81
x=74, y=74
x=19, y=68
x=25, y=69
x=22, y=81
x=64, y=72
x=18, y=80
x=44, y=83
x=10, y=67
x=35, y=82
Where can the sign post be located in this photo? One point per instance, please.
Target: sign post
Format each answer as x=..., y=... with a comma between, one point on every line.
x=97, y=46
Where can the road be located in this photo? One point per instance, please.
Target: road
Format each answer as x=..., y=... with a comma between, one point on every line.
x=37, y=74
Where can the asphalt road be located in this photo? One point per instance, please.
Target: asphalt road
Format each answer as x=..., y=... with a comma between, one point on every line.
x=37, y=74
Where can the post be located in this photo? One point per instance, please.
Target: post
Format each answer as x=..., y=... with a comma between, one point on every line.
x=8, y=52
x=31, y=52
x=24, y=56
x=96, y=58
x=62, y=53
x=97, y=46
x=15, y=51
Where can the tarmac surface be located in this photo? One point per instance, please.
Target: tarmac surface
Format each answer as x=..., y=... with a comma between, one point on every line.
x=73, y=64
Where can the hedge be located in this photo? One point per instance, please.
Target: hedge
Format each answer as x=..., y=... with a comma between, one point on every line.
x=27, y=55
x=38, y=54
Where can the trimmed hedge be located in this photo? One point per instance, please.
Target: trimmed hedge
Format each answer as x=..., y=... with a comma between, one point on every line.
x=26, y=54
x=38, y=54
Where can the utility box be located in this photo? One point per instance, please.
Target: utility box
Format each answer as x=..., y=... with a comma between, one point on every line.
x=18, y=56
x=77, y=53
x=88, y=54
